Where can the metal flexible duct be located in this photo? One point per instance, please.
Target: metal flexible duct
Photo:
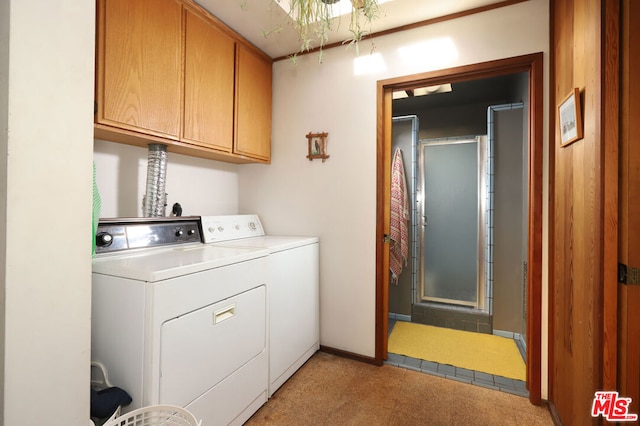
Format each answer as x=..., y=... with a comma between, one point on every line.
x=155, y=198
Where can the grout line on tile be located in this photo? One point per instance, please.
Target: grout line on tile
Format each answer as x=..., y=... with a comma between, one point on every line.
x=478, y=378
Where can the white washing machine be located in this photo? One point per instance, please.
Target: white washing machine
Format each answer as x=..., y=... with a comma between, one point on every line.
x=179, y=322
x=293, y=289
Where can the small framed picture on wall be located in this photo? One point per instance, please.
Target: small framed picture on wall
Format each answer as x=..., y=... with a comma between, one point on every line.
x=570, y=118
x=317, y=146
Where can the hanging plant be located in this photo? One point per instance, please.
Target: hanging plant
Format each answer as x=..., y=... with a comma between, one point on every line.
x=313, y=20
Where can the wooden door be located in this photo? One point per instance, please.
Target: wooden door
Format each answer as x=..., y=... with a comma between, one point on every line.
x=629, y=248
x=208, y=85
x=253, y=104
x=140, y=65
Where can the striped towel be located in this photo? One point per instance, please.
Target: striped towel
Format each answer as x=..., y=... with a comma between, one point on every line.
x=399, y=234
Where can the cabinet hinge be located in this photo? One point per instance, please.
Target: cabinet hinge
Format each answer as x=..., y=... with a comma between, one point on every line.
x=628, y=275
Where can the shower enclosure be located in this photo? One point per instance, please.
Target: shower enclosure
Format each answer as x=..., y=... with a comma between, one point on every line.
x=452, y=200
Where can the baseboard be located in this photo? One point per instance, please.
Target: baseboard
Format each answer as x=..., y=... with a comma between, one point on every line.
x=350, y=355
x=554, y=414
x=521, y=344
x=400, y=317
x=502, y=333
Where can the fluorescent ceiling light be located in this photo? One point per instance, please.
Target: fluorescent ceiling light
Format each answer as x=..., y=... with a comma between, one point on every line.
x=400, y=94
x=421, y=91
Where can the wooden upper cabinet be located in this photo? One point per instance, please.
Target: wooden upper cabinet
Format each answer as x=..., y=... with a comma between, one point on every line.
x=253, y=104
x=139, y=65
x=169, y=72
x=208, y=84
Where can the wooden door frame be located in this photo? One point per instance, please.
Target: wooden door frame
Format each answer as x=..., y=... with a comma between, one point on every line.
x=533, y=64
x=628, y=352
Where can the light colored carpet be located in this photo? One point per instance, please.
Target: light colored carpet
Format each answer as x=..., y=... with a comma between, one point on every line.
x=333, y=391
x=474, y=351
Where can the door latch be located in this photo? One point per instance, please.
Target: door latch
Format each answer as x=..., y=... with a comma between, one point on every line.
x=628, y=274
x=386, y=239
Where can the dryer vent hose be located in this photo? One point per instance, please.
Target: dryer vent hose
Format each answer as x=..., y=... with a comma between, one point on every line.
x=155, y=198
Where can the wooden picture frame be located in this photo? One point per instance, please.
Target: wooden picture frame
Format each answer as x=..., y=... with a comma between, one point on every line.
x=317, y=144
x=570, y=118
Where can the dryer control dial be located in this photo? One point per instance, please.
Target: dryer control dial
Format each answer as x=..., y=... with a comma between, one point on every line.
x=104, y=239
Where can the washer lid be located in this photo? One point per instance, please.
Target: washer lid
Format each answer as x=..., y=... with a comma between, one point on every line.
x=272, y=243
x=162, y=264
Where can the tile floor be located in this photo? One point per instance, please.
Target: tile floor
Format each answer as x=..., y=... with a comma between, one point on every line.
x=490, y=381
x=504, y=384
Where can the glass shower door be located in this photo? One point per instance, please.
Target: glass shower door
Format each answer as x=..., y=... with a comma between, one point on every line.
x=452, y=178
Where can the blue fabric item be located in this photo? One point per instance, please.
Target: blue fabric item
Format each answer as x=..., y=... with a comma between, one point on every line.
x=106, y=401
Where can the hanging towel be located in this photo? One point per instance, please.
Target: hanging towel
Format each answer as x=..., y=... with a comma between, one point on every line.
x=399, y=234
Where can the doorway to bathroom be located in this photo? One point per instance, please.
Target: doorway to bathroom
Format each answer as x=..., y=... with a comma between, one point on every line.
x=468, y=239
x=426, y=299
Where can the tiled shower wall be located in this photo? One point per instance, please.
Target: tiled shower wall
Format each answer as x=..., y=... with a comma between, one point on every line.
x=452, y=317
x=490, y=195
x=405, y=136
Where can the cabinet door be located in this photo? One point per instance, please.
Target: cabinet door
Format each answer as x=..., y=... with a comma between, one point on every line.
x=253, y=105
x=208, y=85
x=139, y=65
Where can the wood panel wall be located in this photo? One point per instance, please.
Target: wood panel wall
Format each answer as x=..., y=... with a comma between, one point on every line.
x=583, y=245
x=629, y=296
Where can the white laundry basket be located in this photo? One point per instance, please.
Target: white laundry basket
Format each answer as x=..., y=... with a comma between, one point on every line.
x=156, y=415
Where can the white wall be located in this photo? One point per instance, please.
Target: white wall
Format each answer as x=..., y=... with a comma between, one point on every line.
x=46, y=115
x=336, y=199
x=202, y=187
x=4, y=125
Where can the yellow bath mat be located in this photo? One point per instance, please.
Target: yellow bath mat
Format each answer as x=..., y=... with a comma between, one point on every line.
x=474, y=351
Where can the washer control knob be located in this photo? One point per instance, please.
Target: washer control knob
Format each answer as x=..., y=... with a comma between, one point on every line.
x=252, y=226
x=191, y=231
x=220, y=228
x=211, y=229
x=179, y=233
x=104, y=239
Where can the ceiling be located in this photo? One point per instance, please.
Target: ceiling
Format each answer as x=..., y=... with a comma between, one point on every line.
x=254, y=18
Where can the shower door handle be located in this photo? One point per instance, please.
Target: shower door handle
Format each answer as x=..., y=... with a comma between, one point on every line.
x=424, y=221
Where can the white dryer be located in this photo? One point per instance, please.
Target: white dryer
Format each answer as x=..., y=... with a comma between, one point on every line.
x=179, y=322
x=293, y=289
